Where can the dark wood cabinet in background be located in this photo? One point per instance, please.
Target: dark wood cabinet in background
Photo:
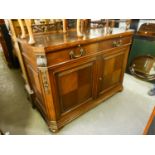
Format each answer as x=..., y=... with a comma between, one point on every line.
x=71, y=75
x=6, y=44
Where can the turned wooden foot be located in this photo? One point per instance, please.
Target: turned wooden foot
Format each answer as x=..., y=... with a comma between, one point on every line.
x=54, y=130
x=53, y=126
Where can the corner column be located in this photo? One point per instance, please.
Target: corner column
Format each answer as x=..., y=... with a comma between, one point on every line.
x=47, y=92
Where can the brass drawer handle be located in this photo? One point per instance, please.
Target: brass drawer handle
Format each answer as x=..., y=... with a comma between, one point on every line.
x=100, y=78
x=74, y=56
x=117, y=43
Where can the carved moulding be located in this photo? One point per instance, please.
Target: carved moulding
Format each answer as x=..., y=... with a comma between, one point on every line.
x=41, y=61
x=42, y=66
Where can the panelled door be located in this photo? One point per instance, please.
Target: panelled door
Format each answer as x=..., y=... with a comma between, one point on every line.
x=111, y=69
x=74, y=85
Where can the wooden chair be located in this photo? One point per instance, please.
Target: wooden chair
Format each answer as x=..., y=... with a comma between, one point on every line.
x=80, y=27
x=28, y=23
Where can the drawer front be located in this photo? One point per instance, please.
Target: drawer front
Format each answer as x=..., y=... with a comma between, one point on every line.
x=69, y=54
x=114, y=43
x=80, y=51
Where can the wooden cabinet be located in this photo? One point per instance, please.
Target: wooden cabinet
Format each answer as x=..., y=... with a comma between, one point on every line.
x=71, y=75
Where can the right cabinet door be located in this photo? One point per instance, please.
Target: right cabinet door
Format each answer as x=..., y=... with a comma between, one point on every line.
x=111, y=69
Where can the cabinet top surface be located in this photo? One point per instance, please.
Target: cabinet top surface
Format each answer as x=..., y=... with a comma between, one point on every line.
x=52, y=41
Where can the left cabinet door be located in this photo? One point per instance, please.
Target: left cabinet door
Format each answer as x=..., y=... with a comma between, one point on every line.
x=73, y=85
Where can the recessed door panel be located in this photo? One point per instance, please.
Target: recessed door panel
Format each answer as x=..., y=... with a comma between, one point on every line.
x=75, y=86
x=111, y=70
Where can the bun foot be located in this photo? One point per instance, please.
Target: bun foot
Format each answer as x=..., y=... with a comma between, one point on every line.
x=53, y=127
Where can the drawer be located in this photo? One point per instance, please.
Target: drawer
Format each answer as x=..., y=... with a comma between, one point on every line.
x=79, y=51
x=113, y=43
x=71, y=53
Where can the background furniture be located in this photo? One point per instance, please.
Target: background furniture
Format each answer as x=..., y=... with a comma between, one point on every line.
x=5, y=41
x=143, y=67
x=143, y=43
x=150, y=127
x=14, y=32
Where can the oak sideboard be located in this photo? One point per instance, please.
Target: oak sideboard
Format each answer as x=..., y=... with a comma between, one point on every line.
x=70, y=75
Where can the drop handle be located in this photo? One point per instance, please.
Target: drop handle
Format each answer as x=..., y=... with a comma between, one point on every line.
x=74, y=56
x=117, y=43
x=100, y=78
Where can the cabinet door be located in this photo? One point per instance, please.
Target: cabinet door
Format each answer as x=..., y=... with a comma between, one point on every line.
x=111, y=69
x=74, y=85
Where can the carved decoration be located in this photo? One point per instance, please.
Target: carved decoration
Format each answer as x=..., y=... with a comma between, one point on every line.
x=41, y=61
x=42, y=66
x=44, y=72
x=49, y=25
